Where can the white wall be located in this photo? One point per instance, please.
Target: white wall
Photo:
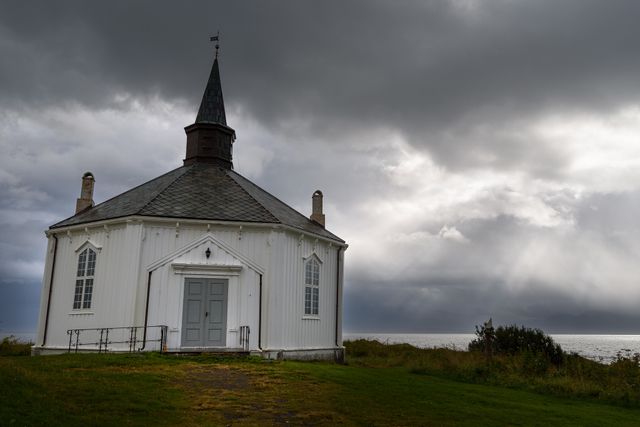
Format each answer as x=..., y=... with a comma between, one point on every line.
x=167, y=287
x=114, y=282
x=127, y=251
x=287, y=327
x=167, y=291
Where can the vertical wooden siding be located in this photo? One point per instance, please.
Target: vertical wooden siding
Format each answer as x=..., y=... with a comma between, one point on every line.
x=120, y=283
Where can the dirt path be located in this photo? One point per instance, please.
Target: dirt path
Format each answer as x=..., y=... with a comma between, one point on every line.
x=233, y=395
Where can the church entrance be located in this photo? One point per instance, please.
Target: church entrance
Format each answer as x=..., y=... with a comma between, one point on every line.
x=204, y=313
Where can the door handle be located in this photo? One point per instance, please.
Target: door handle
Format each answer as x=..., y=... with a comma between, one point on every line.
x=206, y=314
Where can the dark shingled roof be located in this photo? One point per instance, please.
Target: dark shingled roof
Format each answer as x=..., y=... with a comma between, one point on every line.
x=200, y=191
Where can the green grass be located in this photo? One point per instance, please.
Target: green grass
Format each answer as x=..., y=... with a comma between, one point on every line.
x=152, y=389
x=392, y=396
x=85, y=390
x=618, y=383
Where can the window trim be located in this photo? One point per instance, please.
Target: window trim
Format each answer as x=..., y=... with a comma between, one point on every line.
x=83, y=289
x=88, y=244
x=311, y=280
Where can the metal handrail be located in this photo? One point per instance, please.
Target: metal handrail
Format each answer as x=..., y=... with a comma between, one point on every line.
x=102, y=341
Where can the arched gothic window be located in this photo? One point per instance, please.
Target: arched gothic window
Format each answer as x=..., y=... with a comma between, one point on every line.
x=84, y=279
x=311, y=287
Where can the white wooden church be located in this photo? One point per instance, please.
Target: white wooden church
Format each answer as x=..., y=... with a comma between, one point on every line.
x=198, y=259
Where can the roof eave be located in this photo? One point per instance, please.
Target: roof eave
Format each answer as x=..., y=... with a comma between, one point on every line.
x=163, y=219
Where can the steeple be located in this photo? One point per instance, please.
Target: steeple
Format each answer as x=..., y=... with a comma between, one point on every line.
x=209, y=139
x=212, y=105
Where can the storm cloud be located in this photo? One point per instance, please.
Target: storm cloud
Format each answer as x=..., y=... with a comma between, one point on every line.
x=481, y=158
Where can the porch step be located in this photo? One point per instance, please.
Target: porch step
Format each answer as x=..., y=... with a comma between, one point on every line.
x=232, y=354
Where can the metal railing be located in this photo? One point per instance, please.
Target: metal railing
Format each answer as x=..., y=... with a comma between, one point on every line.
x=125, y=338
x=244, y=337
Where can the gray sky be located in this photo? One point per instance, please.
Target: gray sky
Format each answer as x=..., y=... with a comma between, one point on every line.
x=481, y=158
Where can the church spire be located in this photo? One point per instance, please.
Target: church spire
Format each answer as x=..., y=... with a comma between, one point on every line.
x=212, y=105
x=209, y=139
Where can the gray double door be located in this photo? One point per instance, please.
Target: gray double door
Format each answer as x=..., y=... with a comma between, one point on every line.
x=204, y=314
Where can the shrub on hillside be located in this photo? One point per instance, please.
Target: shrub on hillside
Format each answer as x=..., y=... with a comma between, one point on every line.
x=514, y=340
x=12, y=346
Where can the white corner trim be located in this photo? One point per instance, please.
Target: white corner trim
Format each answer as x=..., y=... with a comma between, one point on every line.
x=208, y=237
x=91, y=243
x=185, y=268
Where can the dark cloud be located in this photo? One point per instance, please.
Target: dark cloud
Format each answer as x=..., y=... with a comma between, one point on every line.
x=561, y=282
x=389, y=310
x=19, y=304
x=418, y=68
x=437, y=131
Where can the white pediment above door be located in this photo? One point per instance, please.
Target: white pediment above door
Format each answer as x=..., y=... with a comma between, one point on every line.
x=206, y=253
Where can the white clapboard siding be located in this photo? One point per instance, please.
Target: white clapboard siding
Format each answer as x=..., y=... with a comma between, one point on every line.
x=127, y=251
x=114, y=285
x=287, y=327
x=167, y=286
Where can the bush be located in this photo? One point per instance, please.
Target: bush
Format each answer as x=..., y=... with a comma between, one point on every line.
x=512, y=340
x=12, y=346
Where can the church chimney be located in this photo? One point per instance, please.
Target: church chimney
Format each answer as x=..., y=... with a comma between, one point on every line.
x=209, y=139
x=316, y=208
x=86, y=193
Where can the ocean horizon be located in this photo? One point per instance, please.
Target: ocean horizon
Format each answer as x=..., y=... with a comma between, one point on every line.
x=602, y=348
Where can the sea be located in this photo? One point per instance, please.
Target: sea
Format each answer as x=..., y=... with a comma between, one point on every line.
x=601, y=348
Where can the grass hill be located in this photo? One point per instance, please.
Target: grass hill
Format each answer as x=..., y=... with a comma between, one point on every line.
x=380, y=385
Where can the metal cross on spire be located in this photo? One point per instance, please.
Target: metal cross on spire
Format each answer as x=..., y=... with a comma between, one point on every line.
x=216, y=39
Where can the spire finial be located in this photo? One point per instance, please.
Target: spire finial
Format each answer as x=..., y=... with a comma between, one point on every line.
x=216, y=39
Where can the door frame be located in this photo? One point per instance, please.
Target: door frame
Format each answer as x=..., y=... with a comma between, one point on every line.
x=232, y=276
x=205, y=298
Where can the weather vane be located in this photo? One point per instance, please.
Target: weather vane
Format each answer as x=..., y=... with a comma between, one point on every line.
x=216, y=39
